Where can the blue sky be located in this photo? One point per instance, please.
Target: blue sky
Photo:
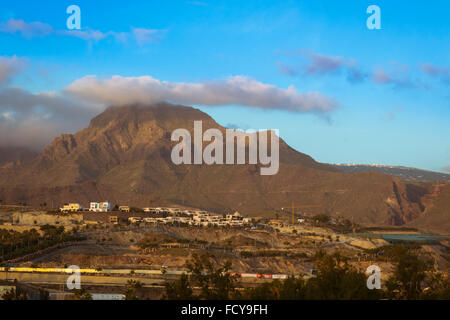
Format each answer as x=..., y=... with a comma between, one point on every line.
x=387, y=91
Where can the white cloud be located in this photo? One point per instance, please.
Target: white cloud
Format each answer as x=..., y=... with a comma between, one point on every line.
x=30, y=30
x=143, y=36
x=87, y=34
x=237, y=90
x=27, y=29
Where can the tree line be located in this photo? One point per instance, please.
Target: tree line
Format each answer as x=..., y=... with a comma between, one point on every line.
x=15, y=244
x=413, y=278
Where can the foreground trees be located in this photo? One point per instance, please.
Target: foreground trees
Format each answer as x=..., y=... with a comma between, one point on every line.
x=214, y=283
x=414, y=278
x=15, y=244
x=335, y=280
x=81, y=294
x=133, y=290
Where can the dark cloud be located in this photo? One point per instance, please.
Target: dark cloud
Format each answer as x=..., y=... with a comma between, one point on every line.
x=321, y=65
x=33, y=120
x=287, y=70
x=398, y=78
x=356, y=75
x=9, y=67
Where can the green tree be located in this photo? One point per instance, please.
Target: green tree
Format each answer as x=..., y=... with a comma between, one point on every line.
x=133, y=290
x=14, y=293
x=179, y=290
x=323, y=218
x=337, y=280
x=216, y=283
x=409, y=277
x=437, y=288
x=265, y=291
x=81, y=294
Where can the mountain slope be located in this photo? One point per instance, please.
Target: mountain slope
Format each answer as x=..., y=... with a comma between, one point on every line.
x=404, y=173
x=436, y=216
x=124, y=156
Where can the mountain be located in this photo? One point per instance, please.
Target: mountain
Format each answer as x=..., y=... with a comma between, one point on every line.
x=124, y=156
x=404, y=173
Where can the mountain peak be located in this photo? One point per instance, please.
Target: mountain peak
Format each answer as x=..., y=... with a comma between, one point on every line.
x=163, y=114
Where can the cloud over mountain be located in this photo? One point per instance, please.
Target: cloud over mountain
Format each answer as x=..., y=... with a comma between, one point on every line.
x=34, y=119
x=236, y=90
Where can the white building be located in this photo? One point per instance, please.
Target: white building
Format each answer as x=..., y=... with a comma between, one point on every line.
x=247, y=220
x=100, y=207
x=134, y=219
x=150, y=220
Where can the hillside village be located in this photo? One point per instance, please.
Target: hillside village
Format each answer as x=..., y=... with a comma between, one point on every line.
x=170, y=215
x=153, y=244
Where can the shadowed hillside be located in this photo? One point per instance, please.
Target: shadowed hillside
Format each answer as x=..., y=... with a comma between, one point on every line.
x=16, y=155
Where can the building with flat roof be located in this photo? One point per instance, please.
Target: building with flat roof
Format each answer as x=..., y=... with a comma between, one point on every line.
x=114, y=219
x=71, y=207
x=100, y=207
x=124, y=209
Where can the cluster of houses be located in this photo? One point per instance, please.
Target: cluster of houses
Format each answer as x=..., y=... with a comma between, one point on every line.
x=170, y=215
x=195, y=218
x=94, y=207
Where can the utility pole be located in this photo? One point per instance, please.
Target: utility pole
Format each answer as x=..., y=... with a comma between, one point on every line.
x=293, y=213
x=300, y=207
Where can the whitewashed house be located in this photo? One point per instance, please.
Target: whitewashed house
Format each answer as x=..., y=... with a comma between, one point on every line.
x=100, y=207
